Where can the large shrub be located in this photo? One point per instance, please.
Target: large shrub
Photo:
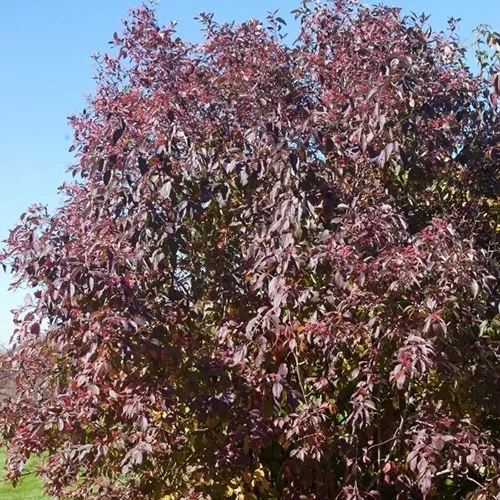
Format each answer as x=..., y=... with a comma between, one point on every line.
x=276, y=276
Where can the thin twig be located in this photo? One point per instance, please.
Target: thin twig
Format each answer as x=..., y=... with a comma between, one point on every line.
x=298, y=375
x=382, y=443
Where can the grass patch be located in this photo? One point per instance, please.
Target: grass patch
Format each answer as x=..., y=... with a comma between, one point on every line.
x=29, y=487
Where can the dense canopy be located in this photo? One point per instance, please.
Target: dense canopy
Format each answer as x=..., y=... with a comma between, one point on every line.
x=276, y=274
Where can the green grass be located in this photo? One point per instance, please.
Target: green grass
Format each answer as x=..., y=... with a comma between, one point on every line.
x=28, y=488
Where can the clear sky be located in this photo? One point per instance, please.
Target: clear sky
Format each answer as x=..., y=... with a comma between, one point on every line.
x=45, y=71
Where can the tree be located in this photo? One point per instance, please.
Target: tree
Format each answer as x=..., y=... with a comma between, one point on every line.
x=276, y=275
x=6, y=382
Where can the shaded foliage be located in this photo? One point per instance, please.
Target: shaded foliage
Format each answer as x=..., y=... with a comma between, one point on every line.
x=277, y=276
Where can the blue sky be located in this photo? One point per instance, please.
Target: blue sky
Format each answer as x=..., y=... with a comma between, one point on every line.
x=46, y=70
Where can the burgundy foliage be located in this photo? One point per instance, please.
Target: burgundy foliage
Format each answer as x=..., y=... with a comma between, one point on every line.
x=277, y=273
